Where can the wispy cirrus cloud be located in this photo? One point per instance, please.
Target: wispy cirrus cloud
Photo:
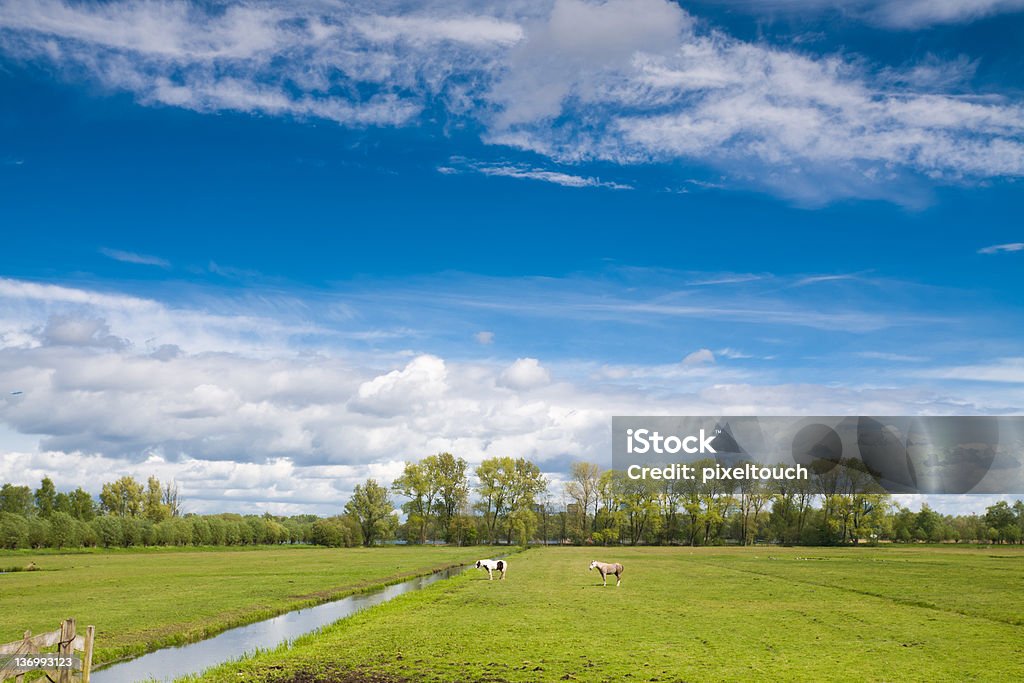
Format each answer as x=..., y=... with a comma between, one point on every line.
x=1000, y=370
x=630, y=82
x=132, y=257
x=1002, y=248
x=527, y=172
x=903, y=15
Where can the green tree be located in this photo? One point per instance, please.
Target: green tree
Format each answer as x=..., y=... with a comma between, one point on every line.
x=372, y=508
x=62, y=530
x=1001, y=517
x=582, y=490
x=38, y=532
x=46, y=497
x=122, y=498
x=417, y=484
x=108, y=531
x=16, y=500
x=13, y=531
x=507, y=487
x=81, y=504
x=640, y=507
x=153, y=507
x=448, y=474
x=928, y=524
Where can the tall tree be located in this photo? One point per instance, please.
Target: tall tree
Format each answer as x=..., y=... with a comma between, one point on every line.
x=507, y=489
x=46, y=497
x=122, y=498
x=1001, y=517
x=81, y=505
x=417, y=484
x=641, y=507
x=492, y=492
x=754, y=494
x=171, y=499
x=153, y=507
x=449, y=476
x=582, y=489
x=371, y=507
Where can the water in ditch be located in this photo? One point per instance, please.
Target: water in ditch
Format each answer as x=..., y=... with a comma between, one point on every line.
x=173, y=662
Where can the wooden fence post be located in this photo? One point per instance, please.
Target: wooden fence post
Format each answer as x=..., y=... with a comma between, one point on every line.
x=66, y=648
x=68, y=642
x=90, y=635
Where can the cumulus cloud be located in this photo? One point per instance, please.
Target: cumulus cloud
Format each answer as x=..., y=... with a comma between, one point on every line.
x=625, y=81
x=63, y=330
x=525, y=374
x=247, y=417
x=415, y=386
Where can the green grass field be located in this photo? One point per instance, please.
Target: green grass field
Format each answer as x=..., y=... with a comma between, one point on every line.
x=143, y=599
x=681, y=614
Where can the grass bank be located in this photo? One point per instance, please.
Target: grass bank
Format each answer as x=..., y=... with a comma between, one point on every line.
x=682, y=614
x=141, y=600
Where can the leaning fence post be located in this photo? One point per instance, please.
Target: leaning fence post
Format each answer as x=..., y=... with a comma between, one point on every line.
x=90, y=635
x=66, y=648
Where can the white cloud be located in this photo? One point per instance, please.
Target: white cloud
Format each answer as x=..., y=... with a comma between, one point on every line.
x=246, y=417
x=526, y=172
x=624, y=81
x=525, y=374
x=481, y=31
x=132, y=257
x=72, y=331
x=918, y=13
x=484, y=337
x=1002, y=248
x=905, y=14
x=416, y=386
x=893, y=357
x=1002, y=370
x=733, y=354
x=699, y=357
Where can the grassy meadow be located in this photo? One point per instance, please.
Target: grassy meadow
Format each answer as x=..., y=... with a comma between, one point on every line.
x=682, y=614
x=143, y=599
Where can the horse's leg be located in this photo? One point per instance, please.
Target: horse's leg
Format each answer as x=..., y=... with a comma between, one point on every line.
x=490, y=574
x=618, y=579
x=604, y=578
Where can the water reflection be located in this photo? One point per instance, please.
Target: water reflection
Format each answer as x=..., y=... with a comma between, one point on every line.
x=173, y=662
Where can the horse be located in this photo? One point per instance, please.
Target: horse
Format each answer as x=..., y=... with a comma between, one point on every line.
x=491, y=566
x=606, y=569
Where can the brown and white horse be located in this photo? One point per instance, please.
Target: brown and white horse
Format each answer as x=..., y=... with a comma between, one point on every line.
x=606, y=569
x=492, y=566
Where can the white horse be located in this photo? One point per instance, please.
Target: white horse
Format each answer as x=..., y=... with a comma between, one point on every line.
x=492, y=566
x=606, y=569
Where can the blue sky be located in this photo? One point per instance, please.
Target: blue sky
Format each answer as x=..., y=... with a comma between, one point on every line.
x=489, y=228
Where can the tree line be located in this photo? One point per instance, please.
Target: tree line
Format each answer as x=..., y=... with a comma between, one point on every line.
x=840, y=503
x=508, y=500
